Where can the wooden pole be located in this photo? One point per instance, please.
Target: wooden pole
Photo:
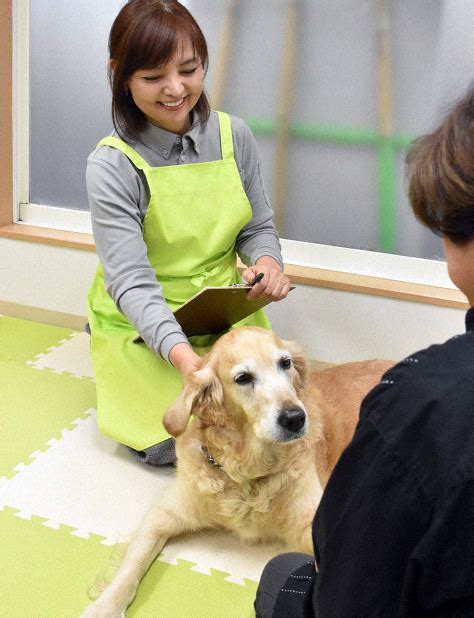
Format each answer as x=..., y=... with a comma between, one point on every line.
x=223, y=54
x=386, y=152
x=283, y=114
x=384, y=77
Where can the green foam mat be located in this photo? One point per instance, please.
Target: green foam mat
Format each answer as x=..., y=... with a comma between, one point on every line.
x=22, y=340
x=47, y=567
x=34, y=407
x=46, y=573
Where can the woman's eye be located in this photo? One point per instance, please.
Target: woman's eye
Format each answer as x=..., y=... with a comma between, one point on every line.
x=285, y=363
x=153, y=78
x=189, y=71
x=243, y=378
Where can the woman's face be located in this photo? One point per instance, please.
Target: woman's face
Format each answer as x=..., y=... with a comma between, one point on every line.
x=167, y=94
x=460, y=259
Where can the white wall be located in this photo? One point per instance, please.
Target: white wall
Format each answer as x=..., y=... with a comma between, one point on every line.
x=45, y=276
x=336, y=326
x=331, y=325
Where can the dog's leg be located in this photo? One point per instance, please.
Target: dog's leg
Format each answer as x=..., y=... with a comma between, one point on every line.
x=161, y=523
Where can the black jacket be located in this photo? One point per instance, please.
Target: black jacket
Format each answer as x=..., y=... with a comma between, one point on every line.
x=394, y=533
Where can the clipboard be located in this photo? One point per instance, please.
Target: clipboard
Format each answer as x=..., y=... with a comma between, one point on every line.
x=215, y=309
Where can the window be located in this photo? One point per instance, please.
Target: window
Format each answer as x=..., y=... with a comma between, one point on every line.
x=340, y=141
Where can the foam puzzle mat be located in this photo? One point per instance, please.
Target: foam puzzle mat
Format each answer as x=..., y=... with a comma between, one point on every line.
x=70, y=496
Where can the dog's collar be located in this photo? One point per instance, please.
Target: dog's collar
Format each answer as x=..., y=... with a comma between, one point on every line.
x=210, y=458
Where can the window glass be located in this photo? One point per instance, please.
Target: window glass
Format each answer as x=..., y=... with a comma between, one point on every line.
x=344, y=174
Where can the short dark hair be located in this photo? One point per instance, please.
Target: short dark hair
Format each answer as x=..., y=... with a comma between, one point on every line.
x=144, y=35
x=440, y=171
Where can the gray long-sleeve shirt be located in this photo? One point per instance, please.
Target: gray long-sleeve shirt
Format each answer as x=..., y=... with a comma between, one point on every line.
x=119, y=196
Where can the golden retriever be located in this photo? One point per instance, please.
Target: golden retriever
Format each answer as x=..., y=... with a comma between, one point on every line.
x=257, y=455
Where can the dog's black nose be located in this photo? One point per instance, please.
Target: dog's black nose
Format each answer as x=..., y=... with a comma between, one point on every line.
x=292, y=419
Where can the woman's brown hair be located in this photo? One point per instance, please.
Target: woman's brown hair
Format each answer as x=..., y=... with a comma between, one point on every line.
x=145, y=35
x=440, y=171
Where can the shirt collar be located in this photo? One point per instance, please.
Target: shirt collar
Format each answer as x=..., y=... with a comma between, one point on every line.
x=158, y=140
x=470, y=319
x=195, y=131
x=161, y=141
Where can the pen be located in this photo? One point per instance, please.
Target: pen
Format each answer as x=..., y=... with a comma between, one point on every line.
x=258, y=278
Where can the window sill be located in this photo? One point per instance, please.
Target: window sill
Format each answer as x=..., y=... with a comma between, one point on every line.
x=33, y=233
x=377, y=286
x=306, y=275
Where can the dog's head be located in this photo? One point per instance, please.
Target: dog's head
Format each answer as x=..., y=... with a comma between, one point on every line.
x=250, y=379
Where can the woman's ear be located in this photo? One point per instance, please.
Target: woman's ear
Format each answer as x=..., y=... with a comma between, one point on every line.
x=202, y=393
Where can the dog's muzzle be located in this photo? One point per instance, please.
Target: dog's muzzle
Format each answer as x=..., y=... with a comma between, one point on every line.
x=292, y=420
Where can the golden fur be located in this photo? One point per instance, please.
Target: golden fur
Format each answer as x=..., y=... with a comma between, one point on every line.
x=275, y=436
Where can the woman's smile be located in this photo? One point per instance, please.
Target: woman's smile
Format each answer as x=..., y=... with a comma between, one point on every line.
x=172, y=104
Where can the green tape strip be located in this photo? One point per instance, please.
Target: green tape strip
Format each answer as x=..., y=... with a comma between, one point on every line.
x=386, y=150
x=344, y=135
x=387, y=196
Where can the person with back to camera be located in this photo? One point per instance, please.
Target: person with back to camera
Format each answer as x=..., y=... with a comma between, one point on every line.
x=394, y=532
x=175, y=192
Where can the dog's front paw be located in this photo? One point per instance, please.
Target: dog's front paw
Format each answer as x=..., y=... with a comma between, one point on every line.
x=100, y=610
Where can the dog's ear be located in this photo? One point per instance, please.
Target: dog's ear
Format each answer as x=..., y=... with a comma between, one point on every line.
x=299, y=361
x=202, y=395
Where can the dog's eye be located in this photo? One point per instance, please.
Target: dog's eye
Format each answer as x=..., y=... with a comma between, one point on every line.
x=285, y=363
x=244, y=378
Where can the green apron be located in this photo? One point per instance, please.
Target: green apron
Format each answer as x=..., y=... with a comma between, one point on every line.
x=193, y=218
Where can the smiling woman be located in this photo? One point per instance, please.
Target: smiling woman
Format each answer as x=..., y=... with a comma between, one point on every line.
x=164, y=227
x=159, y=58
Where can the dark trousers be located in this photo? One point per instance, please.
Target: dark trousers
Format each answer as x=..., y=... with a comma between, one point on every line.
x=273, y=581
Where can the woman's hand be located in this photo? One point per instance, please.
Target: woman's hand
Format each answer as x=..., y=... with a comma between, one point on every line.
x=274, y=284
x=184, y=358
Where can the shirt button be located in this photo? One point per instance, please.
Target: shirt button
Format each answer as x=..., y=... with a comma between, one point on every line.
x=183, y=156
x=164, y=151
x=178, y=140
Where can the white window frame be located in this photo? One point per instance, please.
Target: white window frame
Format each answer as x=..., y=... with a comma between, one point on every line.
x=20, y=106
x=340, y=259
